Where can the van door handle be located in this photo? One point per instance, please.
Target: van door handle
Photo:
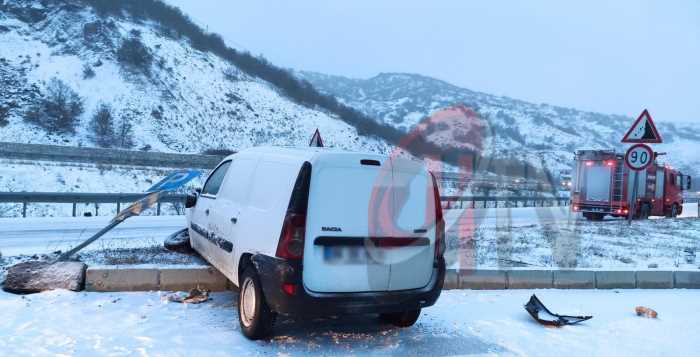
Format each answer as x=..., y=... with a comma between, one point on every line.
x=206, y=211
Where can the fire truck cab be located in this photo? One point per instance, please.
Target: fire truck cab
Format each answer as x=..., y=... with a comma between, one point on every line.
x=602, y=185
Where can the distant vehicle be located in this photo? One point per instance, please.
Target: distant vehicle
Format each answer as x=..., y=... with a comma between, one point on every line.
x=601, y=186
x=294, y=229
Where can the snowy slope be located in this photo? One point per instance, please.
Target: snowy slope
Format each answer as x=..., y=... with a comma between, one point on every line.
x=187, y=101
x=190, y=101
x=543, y=134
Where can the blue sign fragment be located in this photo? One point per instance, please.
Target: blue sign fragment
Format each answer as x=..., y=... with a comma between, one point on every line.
x=175, y=180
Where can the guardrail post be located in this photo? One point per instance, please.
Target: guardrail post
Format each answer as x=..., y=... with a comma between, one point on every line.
x=158, y=209
x=97, y=209
x=119, y=206
x=74, y=208
x=24, y=209
x=496, y=201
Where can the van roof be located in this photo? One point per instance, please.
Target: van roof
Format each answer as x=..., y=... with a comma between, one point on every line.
x=297, y=154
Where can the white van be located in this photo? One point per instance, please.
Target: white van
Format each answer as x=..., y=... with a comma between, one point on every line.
x=317, y=231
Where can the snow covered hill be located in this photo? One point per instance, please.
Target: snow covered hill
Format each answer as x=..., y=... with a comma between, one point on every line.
x=180, y=100
x=184, y=100
x=540, y=133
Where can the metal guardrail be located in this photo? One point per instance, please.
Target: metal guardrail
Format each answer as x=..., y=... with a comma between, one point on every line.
x=451, y=202
x=75, y=198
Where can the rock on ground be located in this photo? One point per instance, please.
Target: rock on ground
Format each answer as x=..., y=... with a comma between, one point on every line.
x=37, y=276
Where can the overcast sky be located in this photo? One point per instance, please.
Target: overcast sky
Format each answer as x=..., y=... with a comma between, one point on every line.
x=608, y=56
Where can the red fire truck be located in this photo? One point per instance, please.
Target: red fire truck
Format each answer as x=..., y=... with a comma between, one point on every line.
x=602, y=184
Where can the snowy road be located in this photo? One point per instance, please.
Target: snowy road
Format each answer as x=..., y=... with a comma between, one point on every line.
x=45, y=235
x=462, y=323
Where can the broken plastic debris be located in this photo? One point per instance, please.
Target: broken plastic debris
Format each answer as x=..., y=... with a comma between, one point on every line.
x=542, y=315
x=646, y=312
x=195, y=296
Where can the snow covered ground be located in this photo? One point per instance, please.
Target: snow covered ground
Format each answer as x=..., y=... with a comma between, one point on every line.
x=462, y=323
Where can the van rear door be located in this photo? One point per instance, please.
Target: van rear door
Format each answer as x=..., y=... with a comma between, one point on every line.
x=338, y=252
x=411, y=263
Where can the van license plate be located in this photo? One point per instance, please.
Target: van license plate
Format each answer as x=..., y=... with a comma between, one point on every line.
x=348, y=255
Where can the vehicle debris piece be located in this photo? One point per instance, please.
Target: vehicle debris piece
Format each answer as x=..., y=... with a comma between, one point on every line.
x=179, y=242
x=542, y=315
x=195, y=296
x=646, y=312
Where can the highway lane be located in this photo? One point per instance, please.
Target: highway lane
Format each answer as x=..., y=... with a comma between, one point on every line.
x=45, y=235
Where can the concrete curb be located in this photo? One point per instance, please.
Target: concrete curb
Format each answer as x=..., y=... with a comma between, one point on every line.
x=574, y=279
x=530, y=279
x=135, y=278
x=182, y=278
x=655, y=279
x=482, y=279
x=616, y=279
x=496, y=279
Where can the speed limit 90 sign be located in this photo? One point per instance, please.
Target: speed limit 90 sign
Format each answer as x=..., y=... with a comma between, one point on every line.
x=639, y=157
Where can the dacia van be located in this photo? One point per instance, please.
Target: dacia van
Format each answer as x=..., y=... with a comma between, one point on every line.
x=308, y=232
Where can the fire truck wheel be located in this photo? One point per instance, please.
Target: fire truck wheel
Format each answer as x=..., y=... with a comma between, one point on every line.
x=674, y=211
x=645, y=211
x=594, y=216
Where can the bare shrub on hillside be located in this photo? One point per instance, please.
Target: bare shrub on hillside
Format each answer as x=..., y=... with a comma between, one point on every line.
x=58, y=110
x=102, y=126
x=133, y=54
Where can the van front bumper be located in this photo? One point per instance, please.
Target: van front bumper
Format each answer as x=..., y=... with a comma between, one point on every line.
x=275, y=272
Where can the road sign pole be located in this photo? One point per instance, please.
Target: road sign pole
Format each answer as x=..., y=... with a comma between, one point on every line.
x=633, y=197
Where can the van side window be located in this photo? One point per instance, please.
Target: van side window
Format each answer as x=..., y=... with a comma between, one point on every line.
x=215, y=179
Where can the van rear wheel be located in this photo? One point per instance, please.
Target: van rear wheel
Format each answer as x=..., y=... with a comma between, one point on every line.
x=254, y=315
x=401, y=319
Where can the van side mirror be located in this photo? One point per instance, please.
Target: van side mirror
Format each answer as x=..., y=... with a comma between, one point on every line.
x=191, y=199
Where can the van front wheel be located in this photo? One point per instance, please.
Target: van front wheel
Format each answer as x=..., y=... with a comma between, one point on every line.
x=401, y=319
x=254, y=315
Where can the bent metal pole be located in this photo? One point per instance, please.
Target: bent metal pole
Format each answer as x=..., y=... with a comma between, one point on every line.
x=134, y=209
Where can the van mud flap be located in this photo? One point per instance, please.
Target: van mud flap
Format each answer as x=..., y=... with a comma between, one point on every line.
x=541, y=314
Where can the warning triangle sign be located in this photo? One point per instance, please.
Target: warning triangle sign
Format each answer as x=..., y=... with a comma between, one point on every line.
x=643, y=131
x=316, y=140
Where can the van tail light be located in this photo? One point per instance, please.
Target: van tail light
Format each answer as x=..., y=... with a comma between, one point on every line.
x=289, y=289
x=291, y=243
x=439, y=221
